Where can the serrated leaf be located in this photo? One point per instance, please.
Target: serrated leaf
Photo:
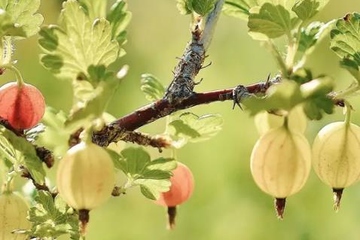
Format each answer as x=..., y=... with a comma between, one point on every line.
x=306, y=9
x=23, y=17
x=7, y=26
x=203, y=7
x=284, y=95
x=55, y=137
x=152, y=176
x=52, y=217
x=183, y=7
x=190, y=127
x=94, y=104
x=152, y=87
x=242, y=8
x=94, y=8
x=80, y=44
x=345, y=42
x=311, y=35
x=272, y=21
x=315, y=108
x=119, y=19
x=19, y=150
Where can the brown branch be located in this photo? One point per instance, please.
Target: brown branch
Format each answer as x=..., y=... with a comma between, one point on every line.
x=122, y=128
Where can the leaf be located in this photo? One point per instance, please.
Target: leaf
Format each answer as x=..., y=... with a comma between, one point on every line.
x=94, y=104
x=152, y=176
x=69, y=52
x=306, y=9
x=55, y=137
x=272, y=20
x=237, y=8
x=183, y=7
x=94, y=8
x=190, y=127
x=202, y=7
x=19, y=150
x=52, y=218
x=345, y=42
x=7, y=26
x=24, y=20
x=311, y=35
x=284, y=95
x=119, y=19
x=152, y=87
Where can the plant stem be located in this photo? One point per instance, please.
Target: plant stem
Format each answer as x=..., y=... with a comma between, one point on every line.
x=19, y=79
x=351, y=90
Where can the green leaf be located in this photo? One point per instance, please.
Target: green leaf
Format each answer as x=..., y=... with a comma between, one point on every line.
x=7, y=26
x=284, y=95
x=55, y=137
x=272, y=21
x=19, y=150
x=311, y=35
x=81, y=43
x=119, y=19
x=190, y=127
x=94, y=103
x=183, y=6
x=203, y=7
x=237, y=8
x=346, y=44
x=94, y=8
x=152, y=87
x=21, y=16
x=315, y=107
x=52, y=218
x=306, y=9
x=152, y=176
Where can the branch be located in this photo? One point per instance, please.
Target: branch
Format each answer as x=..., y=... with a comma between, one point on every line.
x=122, y=128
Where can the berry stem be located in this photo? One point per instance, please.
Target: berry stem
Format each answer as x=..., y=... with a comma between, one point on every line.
x=19, y=79
x=348, y=110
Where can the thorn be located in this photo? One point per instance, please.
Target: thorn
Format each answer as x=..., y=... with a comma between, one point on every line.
x=337, y=198
x=239, y=93
x=206, y=65
x=197, y=83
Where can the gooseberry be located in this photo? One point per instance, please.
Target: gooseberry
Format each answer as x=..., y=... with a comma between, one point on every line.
x=182, y=187
x=85, y=178
x=336, y=156
x=13, y=213
x=280, y=164
x=22, y=106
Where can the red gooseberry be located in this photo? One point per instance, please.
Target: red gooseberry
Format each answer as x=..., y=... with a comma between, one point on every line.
x=22, y=106
x=182, y=186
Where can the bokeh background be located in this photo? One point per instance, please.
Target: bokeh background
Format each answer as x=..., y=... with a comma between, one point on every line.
x=226, y=203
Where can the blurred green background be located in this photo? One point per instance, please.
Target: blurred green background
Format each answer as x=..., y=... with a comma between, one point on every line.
x=226, y=203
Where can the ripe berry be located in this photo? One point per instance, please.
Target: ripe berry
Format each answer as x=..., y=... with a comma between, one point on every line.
x=22, y=106
x=85, y=178
x=336, y=156
x=280, y=164
x=182, y=186
x=13, y=213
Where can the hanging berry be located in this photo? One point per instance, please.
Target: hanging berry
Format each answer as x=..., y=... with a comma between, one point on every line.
x=280, y=164
x=336, y=156
x=85, y=178
x=182, y=187
x=22, y=105
x=13, y=213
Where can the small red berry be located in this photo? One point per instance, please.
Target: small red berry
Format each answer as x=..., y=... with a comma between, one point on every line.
x=22, y=106
x=182, y=186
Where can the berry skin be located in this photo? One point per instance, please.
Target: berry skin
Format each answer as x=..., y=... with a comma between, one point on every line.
x=23, y=107
x=85, y=176
x=336, y=154
x=13, y=213
x=182, y=186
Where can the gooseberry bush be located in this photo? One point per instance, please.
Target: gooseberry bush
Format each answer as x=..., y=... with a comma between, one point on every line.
x=83, y=49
